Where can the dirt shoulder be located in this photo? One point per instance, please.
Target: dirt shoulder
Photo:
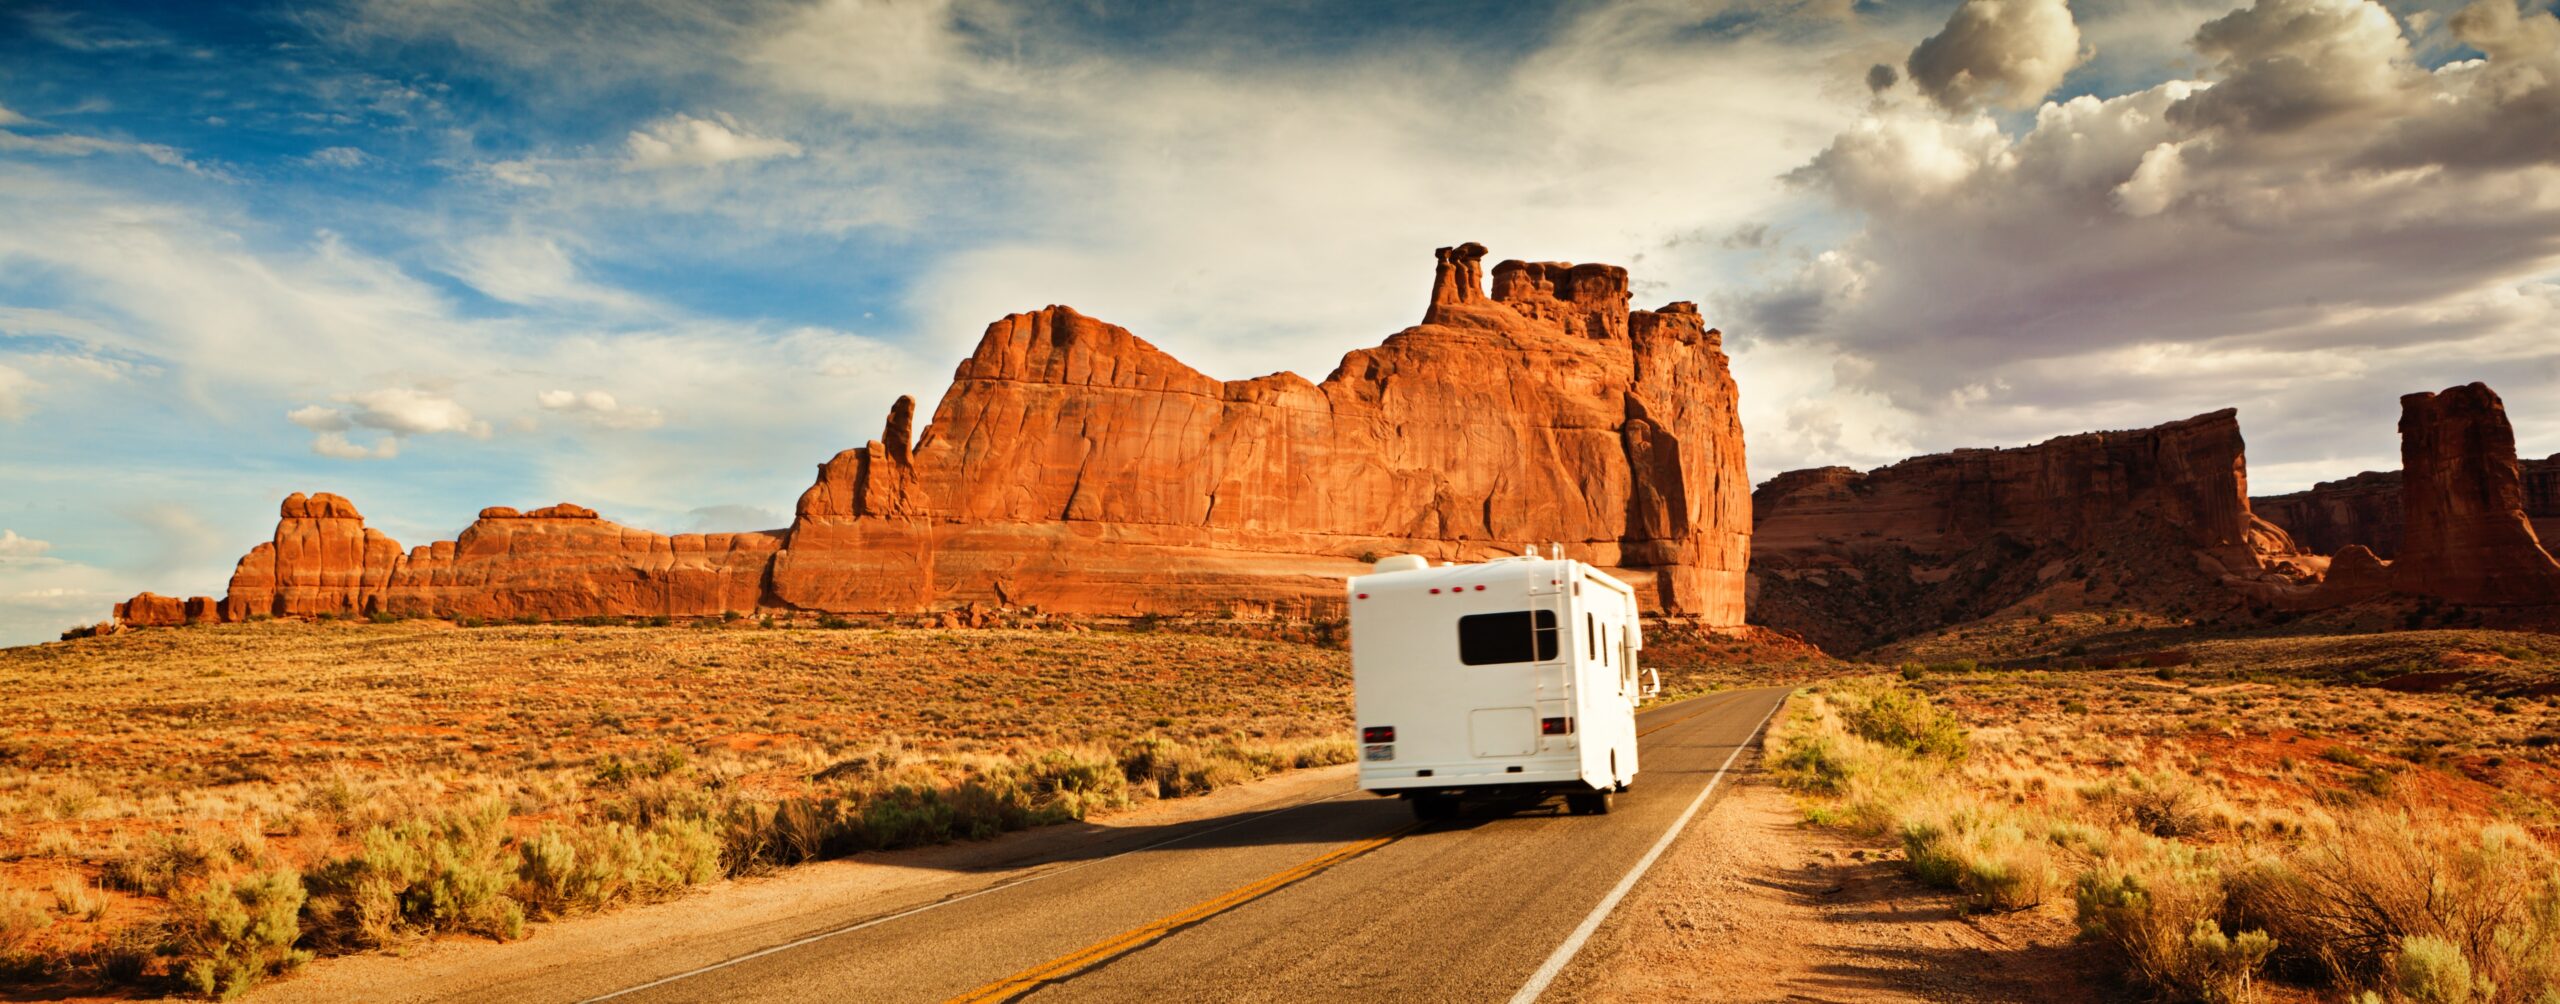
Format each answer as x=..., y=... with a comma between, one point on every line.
x=599, y=953
x=1751, y=905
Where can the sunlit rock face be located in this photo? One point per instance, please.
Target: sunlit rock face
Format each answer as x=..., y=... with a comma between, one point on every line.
x=1074, y=467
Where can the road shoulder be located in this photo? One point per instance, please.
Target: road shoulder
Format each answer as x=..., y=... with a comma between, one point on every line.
x=1751, y=905
x=578, y=957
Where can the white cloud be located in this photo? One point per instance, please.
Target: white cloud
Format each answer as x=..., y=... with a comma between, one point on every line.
x=335, y=445
x=411, y=411
x=396, y=412
x=10, y=118
x=2005, y=53
x=601, y=408
x=15, y=389
x=520, y=173
x=874, y=53
x=686, y=141
x=533, y=269
x=16, y=548
x=2191, y=245
x=341, y=157
x=320, y=418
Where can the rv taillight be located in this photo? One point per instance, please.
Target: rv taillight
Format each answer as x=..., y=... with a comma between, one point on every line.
x=1555, y=726
x=1378, y=734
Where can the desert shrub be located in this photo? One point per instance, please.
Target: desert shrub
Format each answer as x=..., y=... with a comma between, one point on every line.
x=2155, y=905
x=1985, y=852
x=75, y=897
x=2163, y=804
x=1904, y=719
x=562, y=871
x=446, y=873
x=167, y=861
x=2349, y=903
x=1076, y=784
x=22, y=917
x=226, y=936
x=2431, y=970
x=903, y=816
x=1813, y=761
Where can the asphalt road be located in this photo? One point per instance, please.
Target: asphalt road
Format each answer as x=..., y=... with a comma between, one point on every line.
x=1342, y=898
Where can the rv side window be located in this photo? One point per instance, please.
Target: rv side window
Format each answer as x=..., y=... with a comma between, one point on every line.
x=1495, y=639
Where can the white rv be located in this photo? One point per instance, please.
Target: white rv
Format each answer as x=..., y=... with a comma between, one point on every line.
x=1510, y=677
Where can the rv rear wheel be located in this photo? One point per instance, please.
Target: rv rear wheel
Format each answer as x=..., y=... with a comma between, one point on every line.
x=1433, y=808
x=1588, y=804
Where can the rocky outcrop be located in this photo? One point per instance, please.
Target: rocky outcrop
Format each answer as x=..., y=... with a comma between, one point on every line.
x=2466, y=538
x=2365, y=509
x=2154, y=516
x=322, y=561
x=1074, y=467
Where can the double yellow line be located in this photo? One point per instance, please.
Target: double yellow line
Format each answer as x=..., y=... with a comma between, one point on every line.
x=1130, y=940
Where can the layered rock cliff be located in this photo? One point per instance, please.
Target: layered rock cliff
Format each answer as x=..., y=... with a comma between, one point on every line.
x=2156, y=516
x=2365, y=509
x=1075, y=467
x=2465, y=537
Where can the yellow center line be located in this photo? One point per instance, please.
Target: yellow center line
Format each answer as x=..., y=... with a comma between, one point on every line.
x=1646, y=732
x=1126, y=941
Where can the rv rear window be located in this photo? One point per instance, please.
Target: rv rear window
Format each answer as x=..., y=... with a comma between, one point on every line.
x=1494, y=639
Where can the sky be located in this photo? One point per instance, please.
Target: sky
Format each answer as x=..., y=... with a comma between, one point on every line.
x=662, y=257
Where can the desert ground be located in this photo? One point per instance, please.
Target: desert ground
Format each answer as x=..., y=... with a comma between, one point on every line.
x=197, y=809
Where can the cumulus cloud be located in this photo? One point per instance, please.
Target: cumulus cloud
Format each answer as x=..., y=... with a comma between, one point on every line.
x=2281, y=235
x=2000, y=53
x=601, y=408
x=2287, y=65
x=396, y=412
x=16, y=548
x=686, y=141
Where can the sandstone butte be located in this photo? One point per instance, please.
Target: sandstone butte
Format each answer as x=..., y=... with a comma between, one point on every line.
x=2157, y=518
x=2465, y=535
x=1075, y=468
x=2365, y=509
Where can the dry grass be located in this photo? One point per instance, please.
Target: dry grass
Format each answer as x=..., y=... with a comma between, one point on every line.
x=198, y=808
x=2218, y=821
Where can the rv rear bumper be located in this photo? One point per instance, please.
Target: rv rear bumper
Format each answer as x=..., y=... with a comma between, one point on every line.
x=1476, y=776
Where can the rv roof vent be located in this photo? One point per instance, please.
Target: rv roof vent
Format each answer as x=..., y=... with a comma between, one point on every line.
x=1402, y=563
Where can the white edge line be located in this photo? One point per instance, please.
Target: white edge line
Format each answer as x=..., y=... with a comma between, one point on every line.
x=1027, y=879
x=1572, y=946
x=940, y=903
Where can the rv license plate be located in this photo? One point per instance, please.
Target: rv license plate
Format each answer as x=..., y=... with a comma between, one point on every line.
x=1381, y=751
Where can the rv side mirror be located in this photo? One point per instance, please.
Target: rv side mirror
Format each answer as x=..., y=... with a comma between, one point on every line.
x=1652, y=682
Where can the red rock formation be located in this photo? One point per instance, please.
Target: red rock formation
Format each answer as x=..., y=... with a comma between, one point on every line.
x=323, y=560
x=2467, y=539
x=1075, y=467
x=2361, y=510
x=1851, y=559
x=2365, y=509
x=152, y=610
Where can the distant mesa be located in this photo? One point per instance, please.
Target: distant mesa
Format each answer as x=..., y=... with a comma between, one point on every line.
x=1075, y=468
x=2156, y=519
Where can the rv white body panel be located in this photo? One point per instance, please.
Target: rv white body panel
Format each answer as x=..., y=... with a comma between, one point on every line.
x=1515, y=674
